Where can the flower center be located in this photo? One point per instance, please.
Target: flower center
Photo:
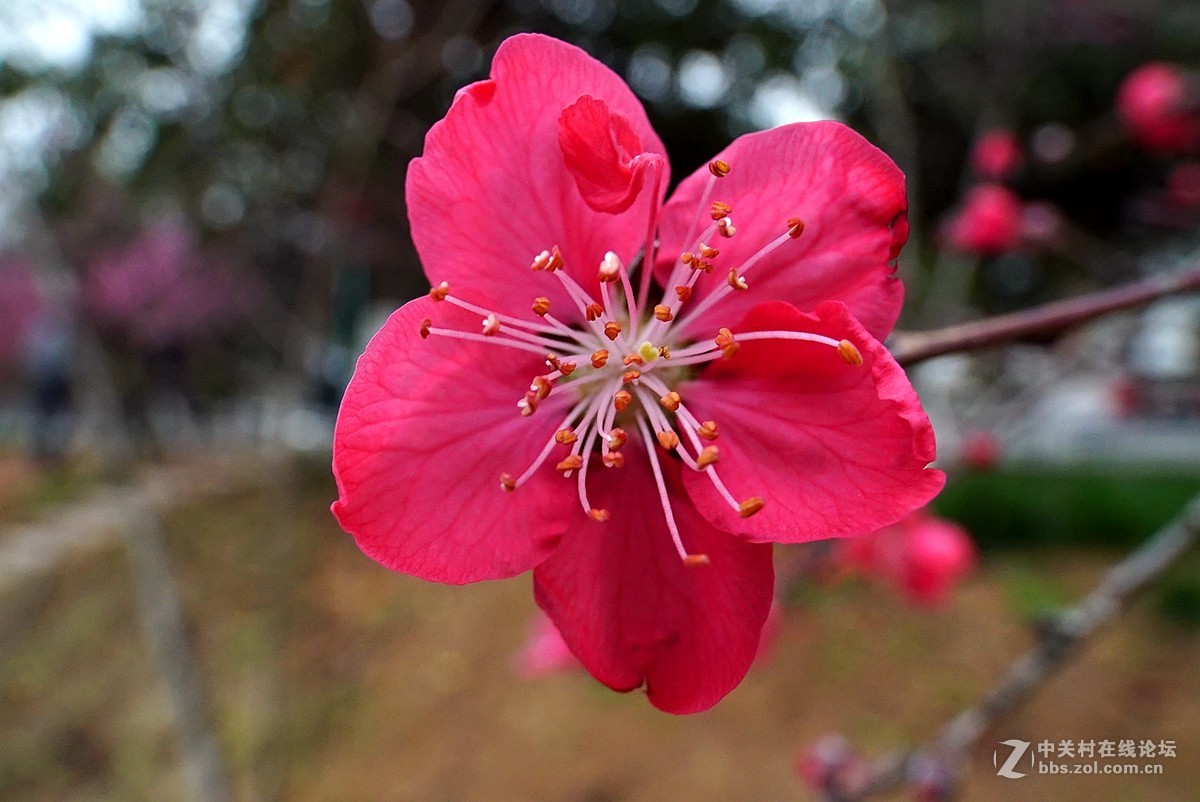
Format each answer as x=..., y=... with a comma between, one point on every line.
x=625, y=360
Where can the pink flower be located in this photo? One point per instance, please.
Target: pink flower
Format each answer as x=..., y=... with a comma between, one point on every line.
x=1160, y=108
x=988, y=223
x=20, y=304
x=544, y=652
x=997, y=155
x=640, y=457
x=923, y=556
x=981, y=450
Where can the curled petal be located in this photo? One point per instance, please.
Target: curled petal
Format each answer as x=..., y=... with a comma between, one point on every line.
x=425, y=430
x=833, y=448
x=635, y=615
x=848, y=196
x=491, y=190
x=603, y=154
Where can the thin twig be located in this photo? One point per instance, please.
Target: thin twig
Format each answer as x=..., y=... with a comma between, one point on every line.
x=912, y=347
x=1065, y=630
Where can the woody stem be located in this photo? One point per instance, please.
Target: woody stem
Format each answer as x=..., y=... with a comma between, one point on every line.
x=911, y=347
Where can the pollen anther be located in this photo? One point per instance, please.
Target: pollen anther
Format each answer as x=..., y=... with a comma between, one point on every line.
x=725, y=227
x=750, y=506
x=719, y=210
x=612, y=329
x=633, y=359
x=566, y=368
x=598, y=515
x=668, y=440
x=600, y=358
x=795, y=227
x=540, y=306
x=507, y=483
x=440, y=292
x=613, y=459
x=564, y=437
x=549, y=261
x=718, y=168
x=663, y=312
x=572, y=462
x=491, y=325
x=684, y=292
x=708, y=456
x=707, y=430
x=540, y=387
x=849, y=352
x=671, y=401
x=631, y=376
x=736, y=281
x=425, y=324
x=708, y=252
x=616, y=439
x=724, y=340
x=593, y=311
x=696, y=561
x=610, y=268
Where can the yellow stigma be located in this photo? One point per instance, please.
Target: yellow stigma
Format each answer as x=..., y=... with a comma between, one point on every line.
x=648, y=352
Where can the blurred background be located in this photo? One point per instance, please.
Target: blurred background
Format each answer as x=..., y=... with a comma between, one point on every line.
x=202, y=221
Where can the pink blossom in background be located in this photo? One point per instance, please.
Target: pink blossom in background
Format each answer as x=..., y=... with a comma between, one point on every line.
x=1159, y=104
x=981, y=450
x=544, y=651
x=997, y=155
x=987, y=222
x=923, y=556
x=20, y=304
x=162, y=289
x=639, y=447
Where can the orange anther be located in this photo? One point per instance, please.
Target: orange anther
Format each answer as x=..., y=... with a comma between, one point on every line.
x=750, y=506
x=696, y=561
x=491, y=325
x=549, y=261
x=736, y=281
x=572, y=463
x=708, y=252
x=552, y=361
x=849, y=352
x=719, y=210
x=718, y=168
x=598, y=515
x=616, y=439
x=708, y=456
x=725, y=227
x=541, y=387
x=663, y=312
x=564, y=437
x=621, y=399
x=593, y=311
x=664, y=351
x=613, y=459
x=724, y=340
x=631, y=376
x=528, y=405
x=633, y=359
x=612, y=329
x=795, y=227
x=671, y=401
x=440, y=292
x=668, y=440
x=683, y=291
x=507, y=482
x=567, y=368
x=707, y=430
x=425, y=324
x=610, y=268
x=600, y=358
x=687, y=257
x=540, y=306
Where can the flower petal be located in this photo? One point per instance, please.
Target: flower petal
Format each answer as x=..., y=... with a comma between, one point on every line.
x=425, y=430
x=833, y=449
x=633, y=613
x=604, y=154
x=492, y=190
x=850, y=197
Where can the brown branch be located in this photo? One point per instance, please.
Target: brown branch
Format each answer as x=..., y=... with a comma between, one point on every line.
x=1064, y=631
x=912, y=347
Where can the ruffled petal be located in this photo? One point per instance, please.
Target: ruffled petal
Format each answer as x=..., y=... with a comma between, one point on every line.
x=425, y=429
x=849, y=196
x=630, y=610
x=604, y=155
x=492, y=189
x=833, y=449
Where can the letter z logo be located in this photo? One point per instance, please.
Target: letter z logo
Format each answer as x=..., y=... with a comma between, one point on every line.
x=1018, y=751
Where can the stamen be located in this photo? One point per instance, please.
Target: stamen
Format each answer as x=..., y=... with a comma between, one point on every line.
x=737, y=282
x=599, y=358
x=668, y=440
x=719, y=210
x=724, y=340
x=593, y=311
x=684, y=292
x=612, y=329
x=610, y=268
x=664, y=351
x=567, y=422
x=718, y=168
x=491, y=325
x=750, y=506
x=696, y=561
x=540, y=387
x=479, y=338
x=707, y=430
x=849, y=352
x=617, y=439
x=425, y=324
x=598, y=515
x=571, y=462
x=541, y=305
x=613, y=459
x=663, y=313
x=564, y=437
x=633, y=359
x=670, y=401
x=550, y=260
x=795, y=227
x=708, y=456
x=566, y=368
x=621, y=400
x=707, y=252
x=440, y=292
x=726, y=228
x=528, y=405
x=631, y=376
x=507, y=483
x=665, y=500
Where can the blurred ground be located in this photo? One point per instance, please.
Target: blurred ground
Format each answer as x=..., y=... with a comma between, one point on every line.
x=332, y=679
